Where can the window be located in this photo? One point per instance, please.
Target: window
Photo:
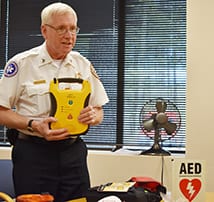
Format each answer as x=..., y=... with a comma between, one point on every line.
x=138, y=48
x=155, y=63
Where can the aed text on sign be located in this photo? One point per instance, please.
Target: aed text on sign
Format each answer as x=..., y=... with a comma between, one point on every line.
x=191, y=168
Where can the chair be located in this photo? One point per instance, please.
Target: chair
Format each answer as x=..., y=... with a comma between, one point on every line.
x=6, y=182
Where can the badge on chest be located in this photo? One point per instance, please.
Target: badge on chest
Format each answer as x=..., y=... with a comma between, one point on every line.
x=68, y=97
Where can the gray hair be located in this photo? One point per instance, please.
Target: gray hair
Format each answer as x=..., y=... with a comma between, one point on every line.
x=54, y=9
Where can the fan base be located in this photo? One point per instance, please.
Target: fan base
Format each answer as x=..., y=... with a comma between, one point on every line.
x=156, y=152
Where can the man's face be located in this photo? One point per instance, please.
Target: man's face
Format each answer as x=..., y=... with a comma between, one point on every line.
x=58, y=36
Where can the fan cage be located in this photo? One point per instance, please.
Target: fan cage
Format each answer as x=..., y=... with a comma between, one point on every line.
x=149, y=111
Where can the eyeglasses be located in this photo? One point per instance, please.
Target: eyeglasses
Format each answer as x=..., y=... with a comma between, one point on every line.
x=63, y=30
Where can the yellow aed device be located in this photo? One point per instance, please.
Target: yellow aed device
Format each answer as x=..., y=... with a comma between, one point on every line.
x=68, y=97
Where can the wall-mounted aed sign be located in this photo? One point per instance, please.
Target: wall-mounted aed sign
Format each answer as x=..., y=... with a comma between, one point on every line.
x=188, y=180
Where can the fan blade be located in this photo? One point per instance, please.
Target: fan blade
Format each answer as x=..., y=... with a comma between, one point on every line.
x=161, y=106
x=170, y=127
x=161, y=118
x=148, y=124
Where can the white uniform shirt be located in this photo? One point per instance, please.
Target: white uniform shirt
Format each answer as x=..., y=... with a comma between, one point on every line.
x=26, y=79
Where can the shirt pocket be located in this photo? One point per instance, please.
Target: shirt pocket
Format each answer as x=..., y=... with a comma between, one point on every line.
x=38, y=98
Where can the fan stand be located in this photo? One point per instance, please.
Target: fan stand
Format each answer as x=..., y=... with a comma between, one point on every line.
x=156, y=149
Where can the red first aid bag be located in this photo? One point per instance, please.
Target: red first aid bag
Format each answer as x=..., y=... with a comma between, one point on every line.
x=149, y=184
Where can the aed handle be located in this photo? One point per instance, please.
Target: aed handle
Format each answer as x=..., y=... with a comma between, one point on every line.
x=68, y=80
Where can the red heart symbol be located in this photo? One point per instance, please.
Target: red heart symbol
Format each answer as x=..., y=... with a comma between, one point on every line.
x=190, y=188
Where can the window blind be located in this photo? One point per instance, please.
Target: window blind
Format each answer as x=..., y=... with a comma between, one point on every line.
x=155, y=64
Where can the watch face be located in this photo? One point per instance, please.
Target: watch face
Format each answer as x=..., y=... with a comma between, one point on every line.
x=30, y=129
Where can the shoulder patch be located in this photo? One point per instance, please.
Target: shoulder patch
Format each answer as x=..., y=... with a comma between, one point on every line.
x=93, y=71
x=11, y=69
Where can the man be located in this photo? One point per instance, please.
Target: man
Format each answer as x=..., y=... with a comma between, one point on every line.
x=44, y=159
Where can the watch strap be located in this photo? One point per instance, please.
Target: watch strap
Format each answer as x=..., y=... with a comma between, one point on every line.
x=29, y=125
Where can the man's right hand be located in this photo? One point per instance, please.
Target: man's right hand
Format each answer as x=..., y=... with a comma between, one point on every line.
x=42, y=127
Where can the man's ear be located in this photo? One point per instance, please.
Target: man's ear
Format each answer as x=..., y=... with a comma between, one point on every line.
x=43, y=31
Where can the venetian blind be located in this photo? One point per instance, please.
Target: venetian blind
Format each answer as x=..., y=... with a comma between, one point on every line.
x=155, y=64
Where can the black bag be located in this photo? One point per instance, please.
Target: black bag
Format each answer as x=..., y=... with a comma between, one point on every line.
x=134, y=194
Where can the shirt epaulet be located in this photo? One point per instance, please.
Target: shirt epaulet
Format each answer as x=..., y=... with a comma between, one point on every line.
x=93, y=72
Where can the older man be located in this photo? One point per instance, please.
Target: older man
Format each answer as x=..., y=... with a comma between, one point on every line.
x=45, y=159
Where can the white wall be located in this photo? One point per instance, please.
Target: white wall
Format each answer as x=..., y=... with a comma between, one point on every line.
x=107, y=167
x=200, y=86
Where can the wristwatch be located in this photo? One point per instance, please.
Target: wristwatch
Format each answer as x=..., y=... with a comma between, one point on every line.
x=29, y=125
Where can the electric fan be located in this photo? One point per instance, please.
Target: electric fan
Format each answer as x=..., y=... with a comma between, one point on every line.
x=160, y=120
